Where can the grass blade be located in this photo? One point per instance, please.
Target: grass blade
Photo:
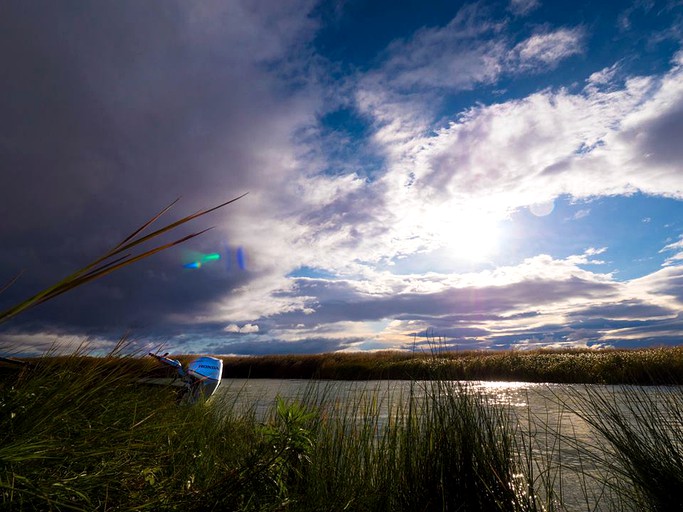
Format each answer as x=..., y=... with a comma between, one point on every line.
x=104, y=265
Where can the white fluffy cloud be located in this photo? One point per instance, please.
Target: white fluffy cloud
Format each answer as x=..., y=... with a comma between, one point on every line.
x=245, y=329
x=471, y=49
x=493, y=160
x=531, y=150
x=246, y=99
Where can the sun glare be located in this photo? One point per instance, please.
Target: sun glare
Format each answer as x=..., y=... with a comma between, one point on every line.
x=473, y=238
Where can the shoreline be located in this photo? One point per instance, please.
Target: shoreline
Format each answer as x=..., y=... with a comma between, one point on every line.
x=651, y=366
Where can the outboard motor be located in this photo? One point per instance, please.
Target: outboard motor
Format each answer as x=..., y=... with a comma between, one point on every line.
x=200, y=379
x=207, y=373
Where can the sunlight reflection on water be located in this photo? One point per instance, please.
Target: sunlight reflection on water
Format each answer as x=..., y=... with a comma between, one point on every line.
x=260, y=394
x=565, y=449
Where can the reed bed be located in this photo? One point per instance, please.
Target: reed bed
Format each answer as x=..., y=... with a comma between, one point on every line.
x=646, y=366
x=84, y=433
x=661, y=365
x=80, y=434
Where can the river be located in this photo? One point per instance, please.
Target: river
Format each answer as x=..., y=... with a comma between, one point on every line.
x=568, y=454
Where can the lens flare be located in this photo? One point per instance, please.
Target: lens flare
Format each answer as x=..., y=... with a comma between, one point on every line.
x=201, y=259
x=241, y=260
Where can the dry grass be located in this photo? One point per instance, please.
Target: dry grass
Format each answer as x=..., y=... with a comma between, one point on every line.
x=662, y=365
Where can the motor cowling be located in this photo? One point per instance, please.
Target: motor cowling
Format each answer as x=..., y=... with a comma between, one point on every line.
x=206, y=372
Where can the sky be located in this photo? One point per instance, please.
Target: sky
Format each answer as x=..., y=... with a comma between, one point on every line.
x=479, y=175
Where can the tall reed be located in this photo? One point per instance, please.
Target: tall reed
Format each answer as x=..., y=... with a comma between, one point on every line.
x=641, y=442
x=661, y=365
x=442, y=447
x=80, y=434
x=84, y=433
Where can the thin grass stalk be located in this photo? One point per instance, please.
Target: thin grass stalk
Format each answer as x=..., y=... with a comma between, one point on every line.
x=643, y=438
x=101, y=266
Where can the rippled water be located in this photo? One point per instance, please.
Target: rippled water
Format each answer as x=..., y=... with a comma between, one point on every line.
x=566, y=452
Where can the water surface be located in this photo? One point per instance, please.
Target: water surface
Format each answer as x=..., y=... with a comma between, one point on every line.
x=566, y=451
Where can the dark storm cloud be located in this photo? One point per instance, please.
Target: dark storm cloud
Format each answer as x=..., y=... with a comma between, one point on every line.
x=129, y=104
x=631, y=310
x=109, y=111
x=337, y=301
x=139, y=300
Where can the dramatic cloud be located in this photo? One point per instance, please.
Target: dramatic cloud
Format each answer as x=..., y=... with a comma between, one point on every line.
x=113, y=111
x=553, y=143
x=470, y=178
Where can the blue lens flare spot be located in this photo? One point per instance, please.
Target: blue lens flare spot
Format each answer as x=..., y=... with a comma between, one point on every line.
x=194, y=264
x=241, y=260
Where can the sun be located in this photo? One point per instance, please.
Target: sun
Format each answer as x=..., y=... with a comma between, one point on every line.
x=458, y=233
x=473, y=238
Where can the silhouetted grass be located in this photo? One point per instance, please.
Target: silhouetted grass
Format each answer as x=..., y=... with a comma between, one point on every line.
x=118, y=257
x=643, y=442
x=443, y=448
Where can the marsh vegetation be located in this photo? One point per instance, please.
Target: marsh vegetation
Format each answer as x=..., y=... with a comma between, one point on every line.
x=86, y=433
x=663, y=365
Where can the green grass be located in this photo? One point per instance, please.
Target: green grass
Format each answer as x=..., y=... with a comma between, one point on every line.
x=86, y=433
x=79, y=433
